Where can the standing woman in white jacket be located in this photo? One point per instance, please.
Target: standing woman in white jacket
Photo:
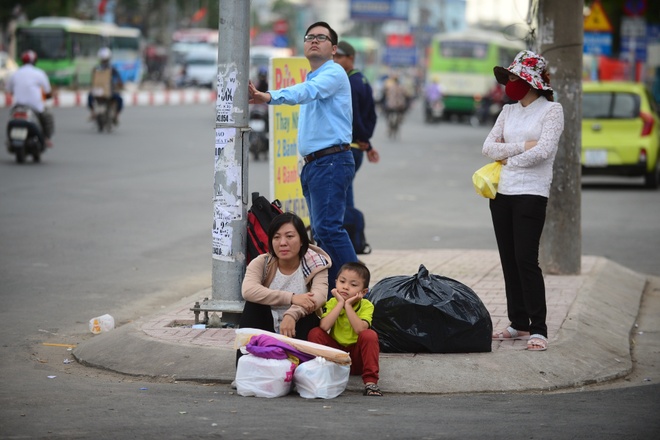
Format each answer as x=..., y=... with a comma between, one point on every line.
x=525, y=139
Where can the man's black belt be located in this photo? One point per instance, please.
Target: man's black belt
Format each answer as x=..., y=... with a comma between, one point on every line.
x=327, y=151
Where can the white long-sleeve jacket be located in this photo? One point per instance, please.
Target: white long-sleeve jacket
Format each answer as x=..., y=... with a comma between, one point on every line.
x=526, y=172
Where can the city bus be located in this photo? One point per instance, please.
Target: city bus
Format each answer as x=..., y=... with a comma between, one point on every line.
x=462, y=63
x=126, y=45
x=67, y=48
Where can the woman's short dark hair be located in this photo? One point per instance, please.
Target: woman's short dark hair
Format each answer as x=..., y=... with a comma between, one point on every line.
x=333, y=35
x=283, y=219
x=549, y=95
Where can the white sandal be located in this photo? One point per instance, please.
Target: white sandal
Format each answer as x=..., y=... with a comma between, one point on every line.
x=514, y=334
x=537, y=342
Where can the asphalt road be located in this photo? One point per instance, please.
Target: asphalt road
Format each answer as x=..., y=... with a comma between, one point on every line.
x=120, y=224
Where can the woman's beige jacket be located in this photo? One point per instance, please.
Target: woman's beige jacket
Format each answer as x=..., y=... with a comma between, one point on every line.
x=261, y=271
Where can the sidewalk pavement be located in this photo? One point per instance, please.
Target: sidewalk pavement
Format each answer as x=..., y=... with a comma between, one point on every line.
x=590, y=317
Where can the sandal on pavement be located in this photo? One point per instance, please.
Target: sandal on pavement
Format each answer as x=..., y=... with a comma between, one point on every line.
x=371, y=389
x=512, y=334
x=537, y=343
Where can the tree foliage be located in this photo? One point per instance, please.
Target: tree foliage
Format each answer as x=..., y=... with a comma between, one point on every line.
x=37, y=8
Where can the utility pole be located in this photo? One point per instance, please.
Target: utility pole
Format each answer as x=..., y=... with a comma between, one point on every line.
x=170, y=27
x=231, y=151
x=560, y=42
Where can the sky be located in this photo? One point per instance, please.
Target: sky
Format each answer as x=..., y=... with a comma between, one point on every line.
x=504, y=11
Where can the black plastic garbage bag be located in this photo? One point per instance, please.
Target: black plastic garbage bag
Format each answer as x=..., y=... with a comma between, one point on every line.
x=427, y=313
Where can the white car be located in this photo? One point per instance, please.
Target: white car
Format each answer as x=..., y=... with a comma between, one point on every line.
x=202, y=68
x=260, y=57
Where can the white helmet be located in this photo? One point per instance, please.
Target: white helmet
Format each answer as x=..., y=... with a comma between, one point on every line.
x=104, y=54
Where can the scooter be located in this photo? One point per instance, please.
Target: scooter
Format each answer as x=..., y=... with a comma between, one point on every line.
x=486, y=112
x=394, y=120
x=25, y=134
x=259, y=133
x=434, y=111
x=105, y=111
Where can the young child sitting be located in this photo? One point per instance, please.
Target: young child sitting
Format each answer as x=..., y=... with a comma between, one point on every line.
x=347, y=317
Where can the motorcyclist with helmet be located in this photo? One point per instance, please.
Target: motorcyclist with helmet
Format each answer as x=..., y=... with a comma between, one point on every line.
x=262, y=86
x=262, y=79
x=259, y=118
x=116, y=83
x=29, y=86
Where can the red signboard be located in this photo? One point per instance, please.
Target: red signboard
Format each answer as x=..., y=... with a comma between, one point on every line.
x=281, y=27
x=634, y=8
x=400, y=40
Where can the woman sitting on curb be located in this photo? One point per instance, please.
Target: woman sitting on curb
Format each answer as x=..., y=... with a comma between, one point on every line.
x=284, y=287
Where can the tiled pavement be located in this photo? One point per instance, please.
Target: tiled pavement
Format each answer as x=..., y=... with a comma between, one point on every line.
x=478, y=269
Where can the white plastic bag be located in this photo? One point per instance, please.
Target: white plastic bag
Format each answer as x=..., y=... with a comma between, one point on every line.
x=261, y=377
x=102, y=323
x=321, y=378
x=244, y=334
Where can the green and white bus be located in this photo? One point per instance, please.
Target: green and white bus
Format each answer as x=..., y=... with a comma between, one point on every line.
x=462, y=63
x=67, y=48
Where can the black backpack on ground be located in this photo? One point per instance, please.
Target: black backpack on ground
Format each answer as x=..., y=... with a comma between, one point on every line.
x=354, y=225
x=259, y=216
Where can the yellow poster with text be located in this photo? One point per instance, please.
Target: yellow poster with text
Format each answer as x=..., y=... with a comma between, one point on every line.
x=285, y=161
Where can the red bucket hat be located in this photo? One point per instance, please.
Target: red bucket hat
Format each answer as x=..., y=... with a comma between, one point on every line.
x=528, y=66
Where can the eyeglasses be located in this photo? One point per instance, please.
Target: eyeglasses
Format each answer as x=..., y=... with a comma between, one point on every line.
x=319, y=37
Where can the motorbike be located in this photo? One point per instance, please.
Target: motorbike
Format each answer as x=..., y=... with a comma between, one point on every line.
x=259, y=134
x=105, y=112
x=486, y=112
x=25, y=134
x=434, y=111
x=394, y=120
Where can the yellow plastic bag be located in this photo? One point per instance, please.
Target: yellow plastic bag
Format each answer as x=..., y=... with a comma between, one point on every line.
x=486, y=178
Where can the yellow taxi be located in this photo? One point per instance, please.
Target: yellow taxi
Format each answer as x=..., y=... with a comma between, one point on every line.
x=620, y=131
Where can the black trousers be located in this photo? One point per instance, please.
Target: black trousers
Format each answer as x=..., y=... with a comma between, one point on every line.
x=518, y=222
x=260, y=316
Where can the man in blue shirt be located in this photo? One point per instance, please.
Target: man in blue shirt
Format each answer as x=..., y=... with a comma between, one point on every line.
x=324, y=136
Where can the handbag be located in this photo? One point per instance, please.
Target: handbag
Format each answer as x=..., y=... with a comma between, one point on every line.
x=486, y=178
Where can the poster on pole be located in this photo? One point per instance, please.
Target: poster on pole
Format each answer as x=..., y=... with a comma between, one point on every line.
x=225, y=90
x=285, y=161
x=227, y=204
